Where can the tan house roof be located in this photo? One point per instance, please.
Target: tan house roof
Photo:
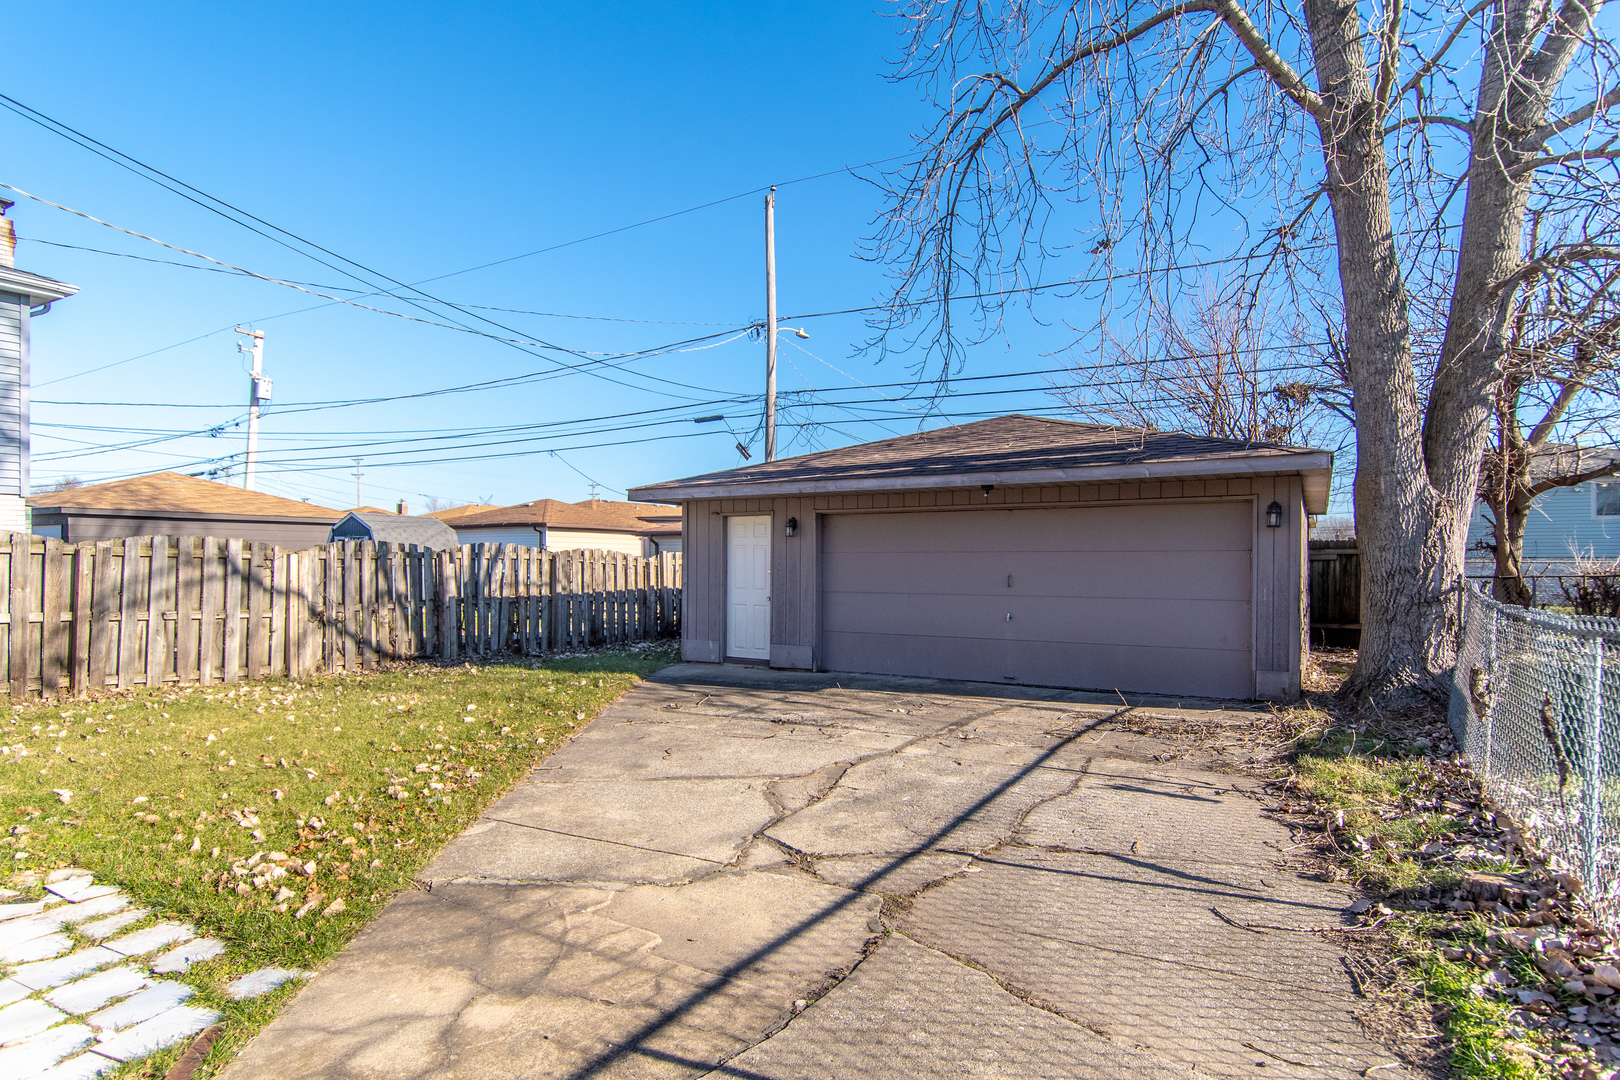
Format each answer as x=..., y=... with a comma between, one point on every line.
x=1005, y=450
x=462, y=511
x=645, y=519
x=171, y=492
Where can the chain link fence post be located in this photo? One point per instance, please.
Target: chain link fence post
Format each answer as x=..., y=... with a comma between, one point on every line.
x=1490, y=683
x=1593, y=780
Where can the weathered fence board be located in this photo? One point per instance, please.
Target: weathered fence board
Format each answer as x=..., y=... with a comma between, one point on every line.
x=1335, y=592
x=159, y=610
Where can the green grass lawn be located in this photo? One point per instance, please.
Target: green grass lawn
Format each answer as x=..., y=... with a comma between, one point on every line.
x=281, y=815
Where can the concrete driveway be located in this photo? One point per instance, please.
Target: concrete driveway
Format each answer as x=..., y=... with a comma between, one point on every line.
x=744, y=873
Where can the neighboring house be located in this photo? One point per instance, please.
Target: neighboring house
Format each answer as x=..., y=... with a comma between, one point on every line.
x=634, y=528
x=1015, y=550
x=383, y=527
x=173, y=504
x=23, y=297
x=1565, y=524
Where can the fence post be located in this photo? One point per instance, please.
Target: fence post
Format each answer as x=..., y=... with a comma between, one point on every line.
x=1490, y=682
x=1592, y=833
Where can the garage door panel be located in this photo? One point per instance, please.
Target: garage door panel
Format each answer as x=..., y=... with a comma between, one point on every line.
x=1135, y=527
x=1153, y=670
x=1209, y=672
x=1093, y=620
x=1144, y=597
x=1191, y=574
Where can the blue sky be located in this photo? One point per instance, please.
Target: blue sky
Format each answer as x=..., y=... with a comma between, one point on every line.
x=420, y=141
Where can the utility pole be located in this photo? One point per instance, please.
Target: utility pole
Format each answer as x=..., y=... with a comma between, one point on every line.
x=770, y=324
x=357, y=502
x=258, y=393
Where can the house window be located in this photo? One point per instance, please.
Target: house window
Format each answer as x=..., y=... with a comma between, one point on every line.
x=1606, y=498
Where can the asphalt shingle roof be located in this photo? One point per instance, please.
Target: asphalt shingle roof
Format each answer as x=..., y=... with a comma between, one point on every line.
x=646, y=519
x=389, y=528
x=1004, y=444
x=171, y=492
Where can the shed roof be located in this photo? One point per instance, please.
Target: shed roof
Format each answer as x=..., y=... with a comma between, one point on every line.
x=1569, y=459
x=172, y=492
x=389, y=528
x=1008, y=449
x=601, y=515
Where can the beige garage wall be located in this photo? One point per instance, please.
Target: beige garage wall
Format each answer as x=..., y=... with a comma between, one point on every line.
x=1279, y=573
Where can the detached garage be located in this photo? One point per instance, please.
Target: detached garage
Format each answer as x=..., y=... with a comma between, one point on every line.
x=1016, y=550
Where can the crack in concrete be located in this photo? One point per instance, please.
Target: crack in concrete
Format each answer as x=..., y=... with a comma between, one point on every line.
x=603, y=840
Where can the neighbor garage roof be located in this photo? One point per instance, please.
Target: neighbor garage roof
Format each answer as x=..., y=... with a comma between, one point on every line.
x=172, y=492
x=428, y=532
x=1006, y=450
x=599, y=515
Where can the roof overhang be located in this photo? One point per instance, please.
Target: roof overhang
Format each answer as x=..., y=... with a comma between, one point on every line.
x=39, y=290
x=1314, y=467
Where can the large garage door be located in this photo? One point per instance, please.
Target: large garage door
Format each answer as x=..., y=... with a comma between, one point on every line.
x=1149, y=597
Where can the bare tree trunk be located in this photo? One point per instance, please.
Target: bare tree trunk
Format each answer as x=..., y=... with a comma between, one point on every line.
x=1510, y=587
x=1419, y=447
x=1397, y=515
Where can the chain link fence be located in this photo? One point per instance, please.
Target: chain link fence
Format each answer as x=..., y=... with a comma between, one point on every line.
x=1535, y=704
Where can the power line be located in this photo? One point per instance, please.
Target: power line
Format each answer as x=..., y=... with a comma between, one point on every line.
x=344, y=288
x=820, y=397
x=524, y=345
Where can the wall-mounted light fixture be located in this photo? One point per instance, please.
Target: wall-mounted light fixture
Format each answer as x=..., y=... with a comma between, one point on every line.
x=1274, y=516
x=792, y=526
x=987, y=489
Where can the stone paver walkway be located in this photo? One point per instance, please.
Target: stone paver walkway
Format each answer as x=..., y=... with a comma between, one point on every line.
x=744, y=873
x=71, y=1010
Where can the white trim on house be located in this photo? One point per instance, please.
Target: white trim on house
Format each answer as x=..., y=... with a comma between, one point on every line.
x=1595, y=485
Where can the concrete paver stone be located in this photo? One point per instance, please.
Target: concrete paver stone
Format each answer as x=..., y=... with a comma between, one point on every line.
x=183, y=957
x=107, y=927
x=96, y=990
x=44, y=974
x=153, y=1035
x=12, y=911
x=158, y=998
x=39, y=948
x=18, y=931
x=84, y=910
x=12, y=990
x=258, y=983
x=26, y=1018
x=160, y=936
x=43, y=1051
x=79, y=1067
x=80, y=888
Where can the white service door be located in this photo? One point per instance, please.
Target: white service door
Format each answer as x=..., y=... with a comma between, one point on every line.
x=748, y=585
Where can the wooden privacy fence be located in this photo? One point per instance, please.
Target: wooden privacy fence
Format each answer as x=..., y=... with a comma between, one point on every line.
x=149, y=610
x=1335, y=592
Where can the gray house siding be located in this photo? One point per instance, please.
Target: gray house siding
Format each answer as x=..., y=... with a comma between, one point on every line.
x=77, y=525
x=1562, y=524
x=13, y=394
